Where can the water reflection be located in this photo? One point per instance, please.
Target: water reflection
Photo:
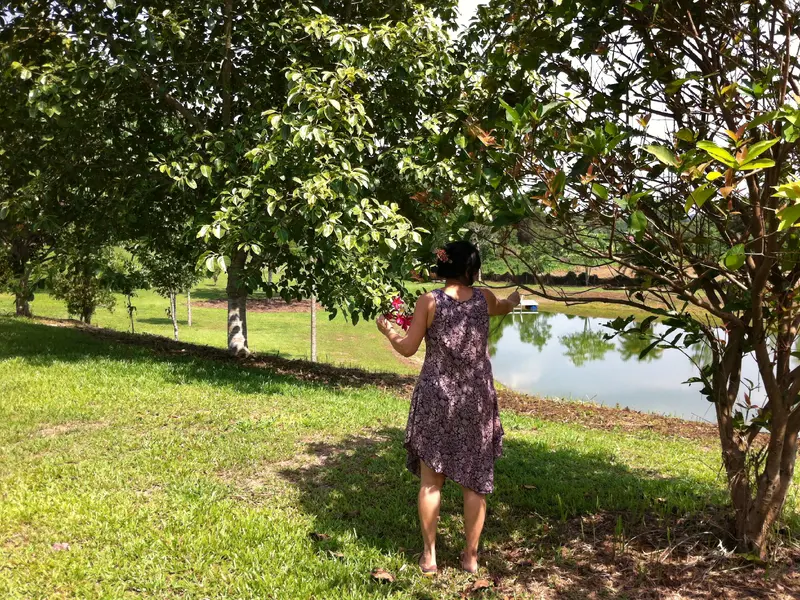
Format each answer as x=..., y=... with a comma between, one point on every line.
x=556, y=355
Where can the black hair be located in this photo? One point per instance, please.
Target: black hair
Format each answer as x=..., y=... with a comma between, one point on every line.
x=462, y=262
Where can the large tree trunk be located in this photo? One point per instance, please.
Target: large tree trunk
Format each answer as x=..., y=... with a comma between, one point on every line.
x=313, y=328
x=769, y=477
x=22, y=295
x=173, y=310
x=237, y=307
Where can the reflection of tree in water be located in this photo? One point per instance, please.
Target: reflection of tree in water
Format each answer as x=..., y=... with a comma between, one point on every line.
x=585, y=346
x=632, y=344
x=534, y=329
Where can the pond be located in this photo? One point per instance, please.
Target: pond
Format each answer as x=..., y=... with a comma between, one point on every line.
x=564, y=356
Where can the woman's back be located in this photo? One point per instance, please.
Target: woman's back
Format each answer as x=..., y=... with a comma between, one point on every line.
x=454, y=423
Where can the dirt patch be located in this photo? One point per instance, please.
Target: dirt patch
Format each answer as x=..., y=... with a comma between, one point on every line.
x=68, y=428
x=595, y=557
x=264, y=305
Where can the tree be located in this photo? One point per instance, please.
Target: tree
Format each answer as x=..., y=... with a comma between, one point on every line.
x=286, y=120
x=663, y=138
x=83, y=280
x=72, y=159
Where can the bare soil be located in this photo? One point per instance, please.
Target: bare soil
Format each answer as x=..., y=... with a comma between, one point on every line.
x=262, y=305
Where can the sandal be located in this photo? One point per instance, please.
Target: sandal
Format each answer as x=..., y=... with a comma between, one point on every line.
x=429, y=571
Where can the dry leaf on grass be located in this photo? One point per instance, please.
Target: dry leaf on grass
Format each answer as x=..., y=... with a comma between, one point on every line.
x=481, y=584
x=319, y=536
x=59, y=546
x=382, y=575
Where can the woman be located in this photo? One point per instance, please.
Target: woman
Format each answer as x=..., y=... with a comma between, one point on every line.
x=453, y=429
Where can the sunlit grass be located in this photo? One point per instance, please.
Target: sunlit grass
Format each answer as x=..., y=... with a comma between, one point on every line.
x=175, y=477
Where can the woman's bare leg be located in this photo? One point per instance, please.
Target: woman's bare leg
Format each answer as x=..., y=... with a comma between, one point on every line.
x=474, y=516
x=430, y=495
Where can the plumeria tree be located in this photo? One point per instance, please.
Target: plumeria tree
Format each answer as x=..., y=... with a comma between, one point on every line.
x=662, y=138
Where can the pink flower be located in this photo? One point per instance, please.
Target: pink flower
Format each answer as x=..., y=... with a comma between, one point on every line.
x=397, y=303
x=441, y=254
x=404, y=322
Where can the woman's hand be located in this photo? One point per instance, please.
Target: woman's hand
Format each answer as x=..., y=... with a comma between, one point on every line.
x=384, y=326
x=514, y=298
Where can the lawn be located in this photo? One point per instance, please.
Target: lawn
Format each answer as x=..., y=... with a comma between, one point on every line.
x=284, y=333
x=131, y=474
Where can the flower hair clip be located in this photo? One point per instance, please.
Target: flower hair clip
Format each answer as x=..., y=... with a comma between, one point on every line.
x=442, y=256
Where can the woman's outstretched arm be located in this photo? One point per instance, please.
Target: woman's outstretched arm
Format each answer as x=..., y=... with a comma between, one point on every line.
x=498, y=306
x=409, y=344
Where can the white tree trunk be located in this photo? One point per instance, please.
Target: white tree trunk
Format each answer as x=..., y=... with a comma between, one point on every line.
x=173, y=309
x=189, y=307
x=313, y=328
x=237, y=308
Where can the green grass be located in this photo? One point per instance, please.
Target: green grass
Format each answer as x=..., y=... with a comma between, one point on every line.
x=282, y=333
x=175, y=477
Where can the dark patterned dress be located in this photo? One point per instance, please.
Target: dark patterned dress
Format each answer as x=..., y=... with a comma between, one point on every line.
x=454, y=422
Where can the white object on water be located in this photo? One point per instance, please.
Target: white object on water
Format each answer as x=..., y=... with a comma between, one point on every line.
x=527, y=305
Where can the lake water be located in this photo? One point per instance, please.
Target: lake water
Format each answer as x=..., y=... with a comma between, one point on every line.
x=556, y=355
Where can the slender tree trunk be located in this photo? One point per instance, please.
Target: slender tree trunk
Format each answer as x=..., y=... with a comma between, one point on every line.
x=173, y=309
x=237, y=307
x=130, y=313
x=269, y=276
x=189, y=307
x=313, y=328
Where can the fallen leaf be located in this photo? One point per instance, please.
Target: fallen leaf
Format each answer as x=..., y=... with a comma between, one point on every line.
x=379, y=574
x=59, y=546
x=339, y=555
x=319, y=536
x=481, y=584
x=529, y=487
x=525, y=563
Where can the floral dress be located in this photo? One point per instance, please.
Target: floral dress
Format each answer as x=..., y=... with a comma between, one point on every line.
x=454, y=422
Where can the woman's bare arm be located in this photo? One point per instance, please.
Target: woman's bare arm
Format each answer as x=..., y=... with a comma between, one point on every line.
x=500, y=306
x=423, y=315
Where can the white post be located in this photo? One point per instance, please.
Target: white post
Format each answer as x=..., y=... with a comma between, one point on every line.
x=313, y=328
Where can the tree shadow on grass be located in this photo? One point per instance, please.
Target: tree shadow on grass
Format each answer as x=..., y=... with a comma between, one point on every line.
x=549, y=503
x=69, y=341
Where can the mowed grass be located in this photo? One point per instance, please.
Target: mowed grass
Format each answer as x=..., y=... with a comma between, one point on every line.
x=133, y=475
x=283, y=333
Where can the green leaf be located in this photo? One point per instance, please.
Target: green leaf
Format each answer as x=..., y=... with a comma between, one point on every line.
x=3, y=212
x=713, y=175
x=600, y=191
x=638, y=224
x=206, y=171
x=759, y=148
x=112, y=4
x=25, y=74
x=511, y=114
x=191, y=183
x=734, y=258
x=685, y=134
x=210, y=262
x=335, y=103
x=717, y=153
x=663, y=154
x=759, y=163
x=788, y=216
x=699, y=196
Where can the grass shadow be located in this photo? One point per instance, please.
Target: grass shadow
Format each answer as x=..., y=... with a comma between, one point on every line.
x=69, y=341
x=361, y=484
